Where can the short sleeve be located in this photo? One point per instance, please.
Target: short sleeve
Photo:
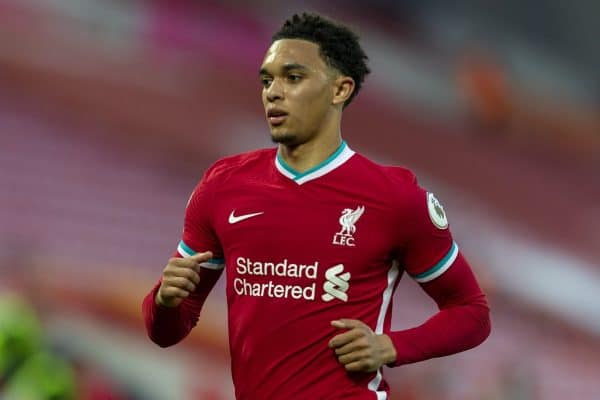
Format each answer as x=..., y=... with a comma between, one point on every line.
x=428, y=249
x=198, y=233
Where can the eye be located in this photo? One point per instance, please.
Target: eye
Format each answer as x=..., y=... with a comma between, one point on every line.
x=294, y=78
x=265, y=81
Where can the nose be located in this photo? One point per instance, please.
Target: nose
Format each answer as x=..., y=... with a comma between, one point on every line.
x=274, y=91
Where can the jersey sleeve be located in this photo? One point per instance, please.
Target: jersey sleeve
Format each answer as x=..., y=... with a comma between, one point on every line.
x=198, y=233
x=428, y=249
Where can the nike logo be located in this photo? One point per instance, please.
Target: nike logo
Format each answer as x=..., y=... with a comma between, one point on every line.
x=233, y=219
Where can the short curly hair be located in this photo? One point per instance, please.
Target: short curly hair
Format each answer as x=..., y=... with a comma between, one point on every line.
x=338, y=45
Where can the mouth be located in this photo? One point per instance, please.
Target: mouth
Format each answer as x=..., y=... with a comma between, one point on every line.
x=276, y=117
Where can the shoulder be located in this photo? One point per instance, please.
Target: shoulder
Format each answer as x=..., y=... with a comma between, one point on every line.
x=226, y=167
x=394, y=184
x=394, y=176
x=238, y=166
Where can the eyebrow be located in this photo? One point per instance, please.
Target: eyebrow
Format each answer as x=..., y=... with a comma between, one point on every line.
x=285, y=68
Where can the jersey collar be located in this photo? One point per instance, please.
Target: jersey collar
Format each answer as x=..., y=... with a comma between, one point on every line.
x=339, y=157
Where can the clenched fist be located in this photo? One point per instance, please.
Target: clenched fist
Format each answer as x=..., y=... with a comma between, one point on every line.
x=179, y=279
x=359, y=348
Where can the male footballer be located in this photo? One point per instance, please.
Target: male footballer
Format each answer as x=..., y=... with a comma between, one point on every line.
x=314, y=238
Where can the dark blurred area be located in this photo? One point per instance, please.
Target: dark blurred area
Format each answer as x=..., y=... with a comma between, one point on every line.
x=111, y=110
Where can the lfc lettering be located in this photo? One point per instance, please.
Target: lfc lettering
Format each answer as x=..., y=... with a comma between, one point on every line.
x=343, y=240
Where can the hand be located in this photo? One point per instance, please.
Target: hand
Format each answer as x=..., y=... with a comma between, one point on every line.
x=359, y=349
x=179, y=279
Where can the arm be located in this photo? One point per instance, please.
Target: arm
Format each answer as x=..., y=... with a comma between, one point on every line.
x=173, y=306
x=461, y=323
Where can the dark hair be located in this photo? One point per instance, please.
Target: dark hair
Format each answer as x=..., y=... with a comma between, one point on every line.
x=338, y=45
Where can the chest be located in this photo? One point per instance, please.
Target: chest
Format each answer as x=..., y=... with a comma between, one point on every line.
x=305, y=223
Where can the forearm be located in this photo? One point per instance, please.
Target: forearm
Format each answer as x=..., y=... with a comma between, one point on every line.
x=167, y=326
x=462, y=322
x=451, y=330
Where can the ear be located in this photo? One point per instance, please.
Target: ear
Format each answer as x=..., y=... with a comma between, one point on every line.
x=343, y=87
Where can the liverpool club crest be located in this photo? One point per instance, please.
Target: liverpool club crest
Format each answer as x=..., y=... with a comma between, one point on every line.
x=345, y=237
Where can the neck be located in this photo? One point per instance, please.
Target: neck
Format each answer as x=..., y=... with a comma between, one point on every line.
x=304, y=156
x=307, y=155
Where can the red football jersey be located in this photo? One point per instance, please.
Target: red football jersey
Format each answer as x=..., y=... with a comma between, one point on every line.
x=303, y=249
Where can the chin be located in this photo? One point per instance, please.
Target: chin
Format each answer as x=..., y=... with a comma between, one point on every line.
x=283, y=137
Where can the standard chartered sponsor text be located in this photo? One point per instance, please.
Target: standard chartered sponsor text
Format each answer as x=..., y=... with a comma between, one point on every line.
x=244, y=285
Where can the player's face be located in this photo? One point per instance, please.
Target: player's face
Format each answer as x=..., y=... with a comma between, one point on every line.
x=298, y=88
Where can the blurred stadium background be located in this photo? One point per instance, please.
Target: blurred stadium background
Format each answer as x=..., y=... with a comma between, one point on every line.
x=111, y=109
